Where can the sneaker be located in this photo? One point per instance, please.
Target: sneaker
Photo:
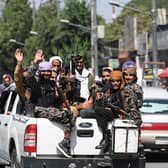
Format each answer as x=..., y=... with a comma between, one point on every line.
x=64, y=147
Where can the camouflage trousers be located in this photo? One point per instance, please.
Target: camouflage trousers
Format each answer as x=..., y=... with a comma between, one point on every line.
x=53, y=114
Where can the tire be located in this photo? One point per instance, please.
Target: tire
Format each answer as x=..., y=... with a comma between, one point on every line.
x=14, y=159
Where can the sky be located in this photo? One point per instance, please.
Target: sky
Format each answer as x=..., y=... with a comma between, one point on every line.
x=103, y=8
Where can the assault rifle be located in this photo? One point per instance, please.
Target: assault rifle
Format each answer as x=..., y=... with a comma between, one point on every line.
x=116, y=108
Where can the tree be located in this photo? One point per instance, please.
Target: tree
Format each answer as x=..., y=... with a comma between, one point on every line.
x=60, y=39
x=77, y=39
x=115, y=30
x=15, y=23
x=45, y=24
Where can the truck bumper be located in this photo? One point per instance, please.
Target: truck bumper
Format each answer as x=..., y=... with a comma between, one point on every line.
x=29, y=162
x=116, y=162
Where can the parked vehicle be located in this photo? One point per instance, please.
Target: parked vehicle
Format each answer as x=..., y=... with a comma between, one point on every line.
x=29, y=142
x=154, y=130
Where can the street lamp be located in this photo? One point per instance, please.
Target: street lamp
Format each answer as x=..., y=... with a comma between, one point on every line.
x=34, y=33
x=127, y=7
x=93, y=32
x=153, y=16
x=16, y=42
x=75, y=25
x=20, y=43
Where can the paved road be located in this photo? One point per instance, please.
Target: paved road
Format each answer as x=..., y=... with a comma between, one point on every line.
x=157, y=161
x=157, y=165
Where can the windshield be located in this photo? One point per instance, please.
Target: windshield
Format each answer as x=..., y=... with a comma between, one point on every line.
x=155, y=106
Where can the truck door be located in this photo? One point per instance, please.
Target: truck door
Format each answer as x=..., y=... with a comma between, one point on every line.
x=5, y=120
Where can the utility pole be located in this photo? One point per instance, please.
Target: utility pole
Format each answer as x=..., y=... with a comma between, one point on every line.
x=2, y=6
x=58, y=6
x=154, y=32
x=154, y=40
x=33, y=9
x=94, y=60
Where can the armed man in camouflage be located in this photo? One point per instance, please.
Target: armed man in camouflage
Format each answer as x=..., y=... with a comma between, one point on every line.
x=104, y=106
x=44, y=98
x=133, y=95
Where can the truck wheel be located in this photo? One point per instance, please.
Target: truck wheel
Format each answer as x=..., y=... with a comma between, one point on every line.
x=14, y=159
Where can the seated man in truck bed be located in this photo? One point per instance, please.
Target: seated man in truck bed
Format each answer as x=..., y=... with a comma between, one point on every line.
x=42, y=96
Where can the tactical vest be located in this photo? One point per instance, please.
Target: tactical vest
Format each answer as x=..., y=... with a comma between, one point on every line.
x=43, y=93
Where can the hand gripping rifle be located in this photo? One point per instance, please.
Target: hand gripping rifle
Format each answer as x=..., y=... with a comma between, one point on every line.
x=118, y=109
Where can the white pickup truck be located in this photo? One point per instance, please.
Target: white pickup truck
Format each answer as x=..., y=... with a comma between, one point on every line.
x=27, y=142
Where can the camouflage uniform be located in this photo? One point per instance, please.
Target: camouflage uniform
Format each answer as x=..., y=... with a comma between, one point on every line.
x=53, y=114
x=35, y=109
x=133, y=100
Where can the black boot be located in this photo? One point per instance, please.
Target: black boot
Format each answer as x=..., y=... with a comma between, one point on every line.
x=64, y=147
x=102, y=144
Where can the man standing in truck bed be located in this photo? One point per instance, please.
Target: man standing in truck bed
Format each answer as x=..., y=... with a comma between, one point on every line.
x=43, y=98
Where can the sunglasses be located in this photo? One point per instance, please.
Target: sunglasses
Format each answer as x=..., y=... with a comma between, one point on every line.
x=79, y=62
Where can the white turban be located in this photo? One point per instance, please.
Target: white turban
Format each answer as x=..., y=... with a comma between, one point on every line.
x=56, y=58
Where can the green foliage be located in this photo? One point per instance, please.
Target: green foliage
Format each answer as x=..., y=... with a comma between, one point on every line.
x=115, y=30
x=78, y=39
x=53, y=37
x=45, y=24
x=60, y=39
x=15, y=24
x=77, y=12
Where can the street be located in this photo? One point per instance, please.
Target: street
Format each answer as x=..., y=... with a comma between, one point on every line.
x=157, y=160
x=156, y=165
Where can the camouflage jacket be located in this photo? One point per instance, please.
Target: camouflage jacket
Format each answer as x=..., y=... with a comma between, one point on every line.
x=133, y=100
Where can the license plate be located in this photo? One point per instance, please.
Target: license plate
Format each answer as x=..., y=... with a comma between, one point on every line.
x=161, y=140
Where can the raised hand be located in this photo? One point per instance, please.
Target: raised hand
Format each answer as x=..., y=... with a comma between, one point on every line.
x=19, y=55
x=39, y=56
